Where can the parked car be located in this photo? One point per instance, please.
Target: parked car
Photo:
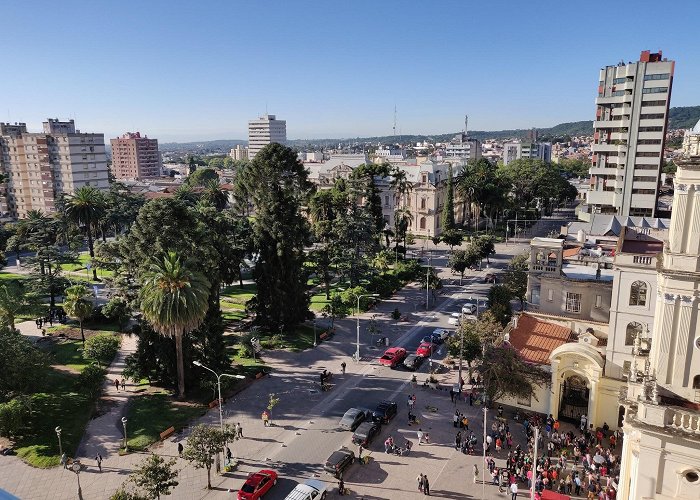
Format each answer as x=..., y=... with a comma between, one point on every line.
x=489, y=278
x=469, y=309
x=443, y=333
x=434, y=339
x=393, y=356
x=364, y=434
x=413, y=361
x=311, y=489
x=257, y=484
x=385, y=411
x=425, y=349
x=339, y=461
x=352, y=418
x=454, y=319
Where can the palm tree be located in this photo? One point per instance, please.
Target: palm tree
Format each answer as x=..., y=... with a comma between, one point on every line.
x=214, y=195
x=15, y=300
x=85, y=208
x=174, y=299
x=77, y=302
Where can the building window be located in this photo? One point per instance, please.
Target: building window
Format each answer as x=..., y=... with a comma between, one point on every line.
x=535, y=295
x=422, y=222
x=638, y=294
x=696, y=382
x=550, y=295
x=598, y=301
x=633, y=329
x=626, y=367
x=573, y=302
x=422, y=203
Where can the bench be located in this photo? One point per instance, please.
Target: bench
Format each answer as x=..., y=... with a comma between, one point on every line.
x=167, y=433
x=259, y=375
x=326, y=335
x=214, y=403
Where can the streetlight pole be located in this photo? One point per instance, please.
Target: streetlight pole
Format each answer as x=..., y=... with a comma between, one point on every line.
x=124, y=421
x=76, y=468
x=357, y=352
x=483, y=477
x=534, y=464
x=314, y=334
x=60, y=446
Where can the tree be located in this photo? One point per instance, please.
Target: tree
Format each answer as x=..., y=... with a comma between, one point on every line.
x=453, y=238
x=448, y=207
x=23, y=365
x=484, y=246
x=155, y=475
x=203, y=443
x=434, y=283
x=322, y=210
x=335, y=308
x=201, y=176
x=118, y=309
x=276, y=184
x=499, y=298
x=174, y=299
x=364, y=181
x=78, y=303
x=16, y=299
x=515, y=277
x=101, y=347
x=461, y=260
x=506, y=374
x=85, y=208
x=214, y=195
x=466, y=343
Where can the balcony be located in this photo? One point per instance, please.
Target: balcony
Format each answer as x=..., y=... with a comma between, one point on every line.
x=545, y=269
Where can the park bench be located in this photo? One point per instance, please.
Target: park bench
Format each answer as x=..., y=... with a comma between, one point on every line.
x=167, y=433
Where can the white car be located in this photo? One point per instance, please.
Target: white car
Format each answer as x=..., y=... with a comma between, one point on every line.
x=454, y=318
x=442, y=332
x=311, y=489
x=469, y=309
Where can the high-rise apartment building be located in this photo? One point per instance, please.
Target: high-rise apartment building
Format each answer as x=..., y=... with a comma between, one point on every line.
x=527, y=150
x=263, y=131
x=135, y=157
x=41, y=166
x=629, y=131
x=239, y=152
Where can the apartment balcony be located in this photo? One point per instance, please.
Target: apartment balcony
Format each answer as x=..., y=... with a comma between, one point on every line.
x=618, y=99
x=605, y=148
x=611, y=124
x=425, y=211
x=655, y=122
x=685, y=421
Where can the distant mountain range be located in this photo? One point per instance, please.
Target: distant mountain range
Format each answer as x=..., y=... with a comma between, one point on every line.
x=679, y=118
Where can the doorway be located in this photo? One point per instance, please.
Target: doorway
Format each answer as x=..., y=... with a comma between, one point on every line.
x=574, y=399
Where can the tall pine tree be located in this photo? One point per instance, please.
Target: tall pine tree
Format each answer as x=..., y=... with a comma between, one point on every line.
x=448, y=207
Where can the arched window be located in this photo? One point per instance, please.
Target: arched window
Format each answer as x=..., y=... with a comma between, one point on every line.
x=638, y=294
x=696, y=382
x=422, y=222
x=632, y=330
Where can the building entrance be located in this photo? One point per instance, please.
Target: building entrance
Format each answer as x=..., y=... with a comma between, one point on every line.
x=574, y=399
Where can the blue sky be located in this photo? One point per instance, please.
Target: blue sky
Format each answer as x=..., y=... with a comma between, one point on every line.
x=199, y=70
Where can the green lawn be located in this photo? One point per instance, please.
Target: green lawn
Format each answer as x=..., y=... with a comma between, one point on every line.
x=12, y=276
x=60, y=405
x=151, y=414
x=79, y=267
x=70, y=354
x=239, y=294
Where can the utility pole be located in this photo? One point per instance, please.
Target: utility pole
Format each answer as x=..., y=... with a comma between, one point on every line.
x=534, y=464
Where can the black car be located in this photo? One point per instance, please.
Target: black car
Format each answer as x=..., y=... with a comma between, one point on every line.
x=433, y=339
x=365, y=433
x=413, y=361
x=339, y=461
x=385, y=411
x=352, y=418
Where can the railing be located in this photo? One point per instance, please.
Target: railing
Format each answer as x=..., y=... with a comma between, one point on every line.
x=638, y=259
x=547, y=269
x=686, y=421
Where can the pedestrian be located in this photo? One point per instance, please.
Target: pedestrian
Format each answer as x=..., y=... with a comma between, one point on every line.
x=341, y=487
x=426, y=486
x=420, y=482
x=513, y=491
x=266, y=418
x=64, y=460
x=98, y=459
x=180, y=449
x=116, y=384
x=465, y=422
x=500, y=411
x=229, y=455
x=452, y=395
x=471, y=399
x=359, y=453
x=455, y=418
x=123, y=384
x=342, y=367
x=239, y=430
x=458, y=440
x=420, y=436
x=476, y=473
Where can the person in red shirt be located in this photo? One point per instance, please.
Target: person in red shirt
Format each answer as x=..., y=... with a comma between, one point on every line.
x=599, y=436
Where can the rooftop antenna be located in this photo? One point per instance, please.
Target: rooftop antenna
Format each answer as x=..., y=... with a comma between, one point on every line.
x=394, y=129
x=466, y=124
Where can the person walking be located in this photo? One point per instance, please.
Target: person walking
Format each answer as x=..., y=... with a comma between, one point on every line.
x=116, y=384
x=426, y=486
x=476, y=473
x=239, y=431
x=452, y=395
x=420, y=482
x=458, y=440
x=513, y=490
x=180, y=449
x=420, y=436
x=64, y=460
x=124, y=385
x=98, y=459
x=455, y=418
x=342, y=367
x=229, y=455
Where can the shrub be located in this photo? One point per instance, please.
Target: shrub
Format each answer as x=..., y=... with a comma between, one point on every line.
x=101, y=347
x=117, y=309
x=11, y=417
x=91, y=379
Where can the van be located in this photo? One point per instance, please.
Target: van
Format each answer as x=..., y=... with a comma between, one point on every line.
x=311, y=489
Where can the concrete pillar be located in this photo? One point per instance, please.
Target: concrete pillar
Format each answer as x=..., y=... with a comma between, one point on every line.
x=593, y=403
x=554, y=393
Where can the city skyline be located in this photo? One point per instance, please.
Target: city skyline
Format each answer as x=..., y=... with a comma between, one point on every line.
x=197, y=74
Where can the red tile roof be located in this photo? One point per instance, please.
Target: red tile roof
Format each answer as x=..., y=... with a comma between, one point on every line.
x=536, y=339
x=570, y=252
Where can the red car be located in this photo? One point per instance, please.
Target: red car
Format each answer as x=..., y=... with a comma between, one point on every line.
x=393, y=356
x=425, y=349
x=257, y=485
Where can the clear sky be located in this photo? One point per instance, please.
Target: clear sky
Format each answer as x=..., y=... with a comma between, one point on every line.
x=195, y=70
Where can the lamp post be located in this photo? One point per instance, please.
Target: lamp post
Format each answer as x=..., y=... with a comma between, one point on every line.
x=124, y=421
x=427, y=275
x=60, y=446
x=534, y=463
x=314, y=333
x=357, y=352
x=75, y=467
x=483, y=477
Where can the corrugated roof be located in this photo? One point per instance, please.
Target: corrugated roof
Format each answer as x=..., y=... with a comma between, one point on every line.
x=535, y=339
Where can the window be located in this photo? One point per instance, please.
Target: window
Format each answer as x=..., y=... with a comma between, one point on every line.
x=573, y=302
x=598, y=301
x=640, y=178
x=653, y=103
x=535, y=295
x=643, y=191
x=638, y=294
x=524, y=401
x=655, y=90
x=659, y=76
x=422, y=203
x=626, y=367
x=619, y=80
x=651, y=116
x=633, y=329
x=422, y=222
x=550, y=295
x=696, y=382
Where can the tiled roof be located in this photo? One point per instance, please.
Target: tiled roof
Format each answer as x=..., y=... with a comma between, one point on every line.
x=570, y=252
x=536, y=339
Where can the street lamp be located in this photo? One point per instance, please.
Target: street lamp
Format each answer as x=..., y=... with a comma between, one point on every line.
x=314, y=333
x=126, y=446
x=218, y=384
x=75, y=467
x=60, y=446
x=357, y=352
x=483, y=478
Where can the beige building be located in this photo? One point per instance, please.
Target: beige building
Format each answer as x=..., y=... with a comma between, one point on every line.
x=41, y=166
x=263, y=131
x=135, y=157
x=629, y=133
x=239, y=152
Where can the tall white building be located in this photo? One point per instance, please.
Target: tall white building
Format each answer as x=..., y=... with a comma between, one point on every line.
x=263, y=131
x=462, y=146
x=527, y=150
x=629, y=131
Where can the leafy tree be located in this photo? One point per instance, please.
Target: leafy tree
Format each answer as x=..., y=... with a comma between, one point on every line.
x=484, y=246
x=101, y=347
x=499, y=298
x=91, y=379
x=186, y=194
x=448, y=207
x=322, y=209
x=78, y=303
x=85, y=207
x=23, y=365
x=461, y=260
x=479, y=184
x=336, y=308
x=203, y=443
x=506, y=374
x=121, y=209
x=118, y=309
x=174, y=299
x=466, y=343
x=214, y=195
x=12, y=415
x=453, y=238
x=15, y=300
x=155, y=475
x=515, y=277
x=276, y=184
x=201, y=176
x=574, y=167
x=364, y=180
x=123, y=494
x=402, y=221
